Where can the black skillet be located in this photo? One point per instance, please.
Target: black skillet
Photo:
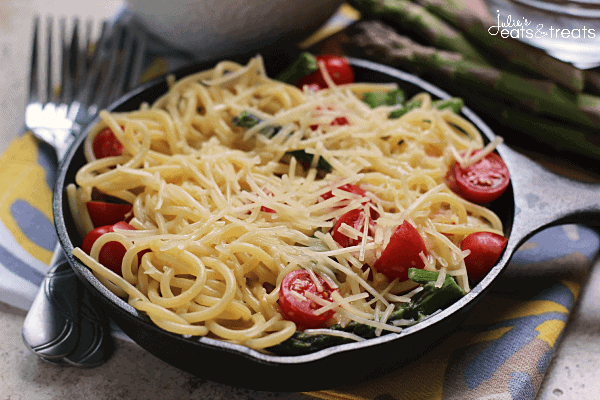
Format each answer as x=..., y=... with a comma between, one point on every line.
x=535, y=199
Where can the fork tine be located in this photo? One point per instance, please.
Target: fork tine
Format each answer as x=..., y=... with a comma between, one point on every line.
x=34, y=71
x=64, y=86
x=138, y=61
x=126, y=63
x=95, y=65
x=102, y=96
x=49, y=91
x=70, y=56
x=84, y=55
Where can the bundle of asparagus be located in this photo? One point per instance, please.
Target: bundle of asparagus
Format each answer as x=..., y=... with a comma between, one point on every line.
x=520, y=87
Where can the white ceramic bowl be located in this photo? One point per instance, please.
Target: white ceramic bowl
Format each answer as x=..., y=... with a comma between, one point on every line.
x=219, y=28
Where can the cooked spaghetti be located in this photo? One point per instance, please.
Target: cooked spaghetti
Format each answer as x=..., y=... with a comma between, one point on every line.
x=223, y=213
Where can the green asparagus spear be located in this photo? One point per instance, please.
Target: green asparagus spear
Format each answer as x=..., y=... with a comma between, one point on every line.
x=375, y=40
x=431, y=299
x=485, y=32
x=423, y=276
x=416, y=18
x=410, y=105
x=523, y=128
x=592, y=81
x=455, y=104
x=304, y=65
x=396, y=97
x=391, y=98
x=248, y=120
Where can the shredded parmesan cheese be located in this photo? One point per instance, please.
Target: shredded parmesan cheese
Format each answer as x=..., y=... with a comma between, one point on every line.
x=223, y=212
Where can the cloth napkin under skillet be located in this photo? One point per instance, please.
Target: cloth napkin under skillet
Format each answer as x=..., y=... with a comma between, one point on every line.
x=501, y=352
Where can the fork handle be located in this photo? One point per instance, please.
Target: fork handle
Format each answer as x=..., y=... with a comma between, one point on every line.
x=64, y=324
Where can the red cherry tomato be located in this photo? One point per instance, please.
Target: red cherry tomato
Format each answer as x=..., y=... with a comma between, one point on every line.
x=267, y=209
x=106, y=144
x=351, y=188
x=484, y=181
x=354, y=218
x=348, y=187
x=112, y=253
x=302, y=311
x=450, y=180
x=103, y=213
x=402, y=252
x=338, y=69
x=338, y=121
x=485, y=248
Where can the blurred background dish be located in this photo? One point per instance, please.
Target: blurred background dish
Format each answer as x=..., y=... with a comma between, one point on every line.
x=216, y=29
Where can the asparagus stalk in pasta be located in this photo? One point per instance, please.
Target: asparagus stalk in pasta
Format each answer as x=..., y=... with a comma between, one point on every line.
x=397, y=98
x=376, y=99
x=422, y=304
x=413, y=17
x=304, y=65
x=380, y=42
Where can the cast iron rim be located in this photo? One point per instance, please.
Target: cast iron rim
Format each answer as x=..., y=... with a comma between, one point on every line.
x=151, y=89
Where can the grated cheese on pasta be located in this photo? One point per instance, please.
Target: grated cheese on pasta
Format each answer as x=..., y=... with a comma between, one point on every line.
x=223, y=213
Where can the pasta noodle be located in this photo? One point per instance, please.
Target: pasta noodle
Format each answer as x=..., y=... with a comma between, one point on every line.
x=222, y=213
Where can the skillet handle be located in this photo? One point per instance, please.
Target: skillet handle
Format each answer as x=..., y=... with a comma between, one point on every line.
x=543, y=198
x=64, y=325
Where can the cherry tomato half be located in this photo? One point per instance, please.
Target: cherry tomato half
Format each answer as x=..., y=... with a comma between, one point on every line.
x=484, y=181
x=450, y=180
x=112, y=253
x=351, y=188
x=302, y=311
x=485, y=248
x=402, y=252
x=106, y=144
x=348, y=187
x=354, y=218
x=103, y=213
x=337, y=67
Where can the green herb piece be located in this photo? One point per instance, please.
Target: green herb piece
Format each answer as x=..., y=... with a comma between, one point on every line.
x=306, y=159
x=376, y=99
x=249, y=120
x=455, y=104
x=410, y=105
x=246, y=120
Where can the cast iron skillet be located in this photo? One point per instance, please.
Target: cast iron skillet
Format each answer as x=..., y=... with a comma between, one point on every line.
x=535, y=199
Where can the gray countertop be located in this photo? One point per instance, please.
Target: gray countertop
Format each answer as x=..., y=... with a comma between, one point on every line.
x=134, y=374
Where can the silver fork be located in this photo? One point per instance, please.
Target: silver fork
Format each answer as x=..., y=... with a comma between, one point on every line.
x=64, y=324
x=89, y=81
